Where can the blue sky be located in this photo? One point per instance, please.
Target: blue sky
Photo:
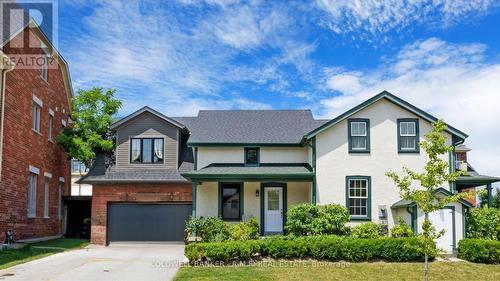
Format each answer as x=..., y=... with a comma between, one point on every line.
x=180, y=56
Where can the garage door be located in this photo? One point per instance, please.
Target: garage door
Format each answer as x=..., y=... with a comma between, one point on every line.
x=147, y=222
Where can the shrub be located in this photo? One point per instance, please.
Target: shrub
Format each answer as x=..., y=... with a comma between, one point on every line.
x=244, y=230
x=477, y=250
x=402, y=229
x=483, y=223
x=332, y=248
x=308, y=219
x=367, y=230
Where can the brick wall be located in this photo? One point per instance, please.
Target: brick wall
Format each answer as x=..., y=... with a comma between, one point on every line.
x=104, y=194
x=23, y=147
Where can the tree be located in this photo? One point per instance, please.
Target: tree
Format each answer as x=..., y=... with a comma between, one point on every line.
x=436, y=174
x=483, y=198
x=92, y=114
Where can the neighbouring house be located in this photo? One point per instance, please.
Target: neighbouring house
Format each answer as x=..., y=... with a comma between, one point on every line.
x=237, y=164
x=34, y=108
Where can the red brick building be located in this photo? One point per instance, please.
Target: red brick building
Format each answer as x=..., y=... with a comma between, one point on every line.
x=35, y=106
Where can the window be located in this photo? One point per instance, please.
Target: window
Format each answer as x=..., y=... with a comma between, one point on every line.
x=359, y=135
x=59, y=199
x=408, y=135
x=36, y=117
x=51, y=122
x=145, y=150
x=44, y=68
x=78, y=167
x=32, y=195
x=46, y=198
x=358, y=197
x=230, y=201
x=252, y=156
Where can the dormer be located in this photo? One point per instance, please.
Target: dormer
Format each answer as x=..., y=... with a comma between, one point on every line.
x=147, y=139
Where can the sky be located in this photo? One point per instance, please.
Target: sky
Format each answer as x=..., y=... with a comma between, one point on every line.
x=180, y=56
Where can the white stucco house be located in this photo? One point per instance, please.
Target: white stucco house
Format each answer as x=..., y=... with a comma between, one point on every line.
x=237, y=164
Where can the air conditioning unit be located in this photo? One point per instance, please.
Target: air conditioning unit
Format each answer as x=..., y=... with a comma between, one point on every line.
x=461, y=165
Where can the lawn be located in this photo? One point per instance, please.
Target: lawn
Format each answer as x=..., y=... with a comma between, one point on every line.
x=352, y=271
x=31, y=252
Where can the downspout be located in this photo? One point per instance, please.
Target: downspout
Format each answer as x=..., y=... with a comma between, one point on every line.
x=312, y=145
x=6, y=65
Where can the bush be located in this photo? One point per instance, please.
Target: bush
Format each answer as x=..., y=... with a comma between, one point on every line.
x=308, y=219
x=332, y=248
x=212, y=229
x=367, y=230
x=402, y=229
x=477, y=250
x=483, y=223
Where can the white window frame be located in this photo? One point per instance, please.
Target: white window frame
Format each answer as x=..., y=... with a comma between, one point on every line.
x=32, y=187
x=359, y=135
x=36, y=121
x=51, y=124
x=367, y=197
x=414, y=123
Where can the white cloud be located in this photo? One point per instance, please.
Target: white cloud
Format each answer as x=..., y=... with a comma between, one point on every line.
x=450, y=81
x=373, y=17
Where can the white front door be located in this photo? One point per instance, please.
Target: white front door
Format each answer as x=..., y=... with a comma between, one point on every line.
x=443, y=219
x=273, y=209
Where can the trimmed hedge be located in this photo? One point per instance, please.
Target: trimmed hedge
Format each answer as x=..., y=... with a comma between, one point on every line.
x=481, y=251
x=332, y=248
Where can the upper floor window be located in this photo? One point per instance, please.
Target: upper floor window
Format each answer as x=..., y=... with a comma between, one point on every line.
x=252, y=156
x=358, y=197
x=78, y=167
x=359, y=135
x=44, y=68
x=36, y=116
x=408, y=135
x=146, y=150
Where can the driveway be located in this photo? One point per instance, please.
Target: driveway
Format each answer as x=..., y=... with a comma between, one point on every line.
x=124, y=261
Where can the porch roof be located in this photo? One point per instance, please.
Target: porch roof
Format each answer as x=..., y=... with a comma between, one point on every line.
x=289, y=171
x=475, y=179
x=403, y=203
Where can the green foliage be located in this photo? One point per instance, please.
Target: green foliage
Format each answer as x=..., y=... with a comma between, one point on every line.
x=367, y=230
x=483, y=198
x=213, y=229
x=92, y=113
x=333, y=248
x=308, y=219
x=402, y=229
x=478, y=250
x=483, y=223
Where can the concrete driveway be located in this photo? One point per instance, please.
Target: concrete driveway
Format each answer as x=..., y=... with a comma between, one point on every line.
x=124, y=261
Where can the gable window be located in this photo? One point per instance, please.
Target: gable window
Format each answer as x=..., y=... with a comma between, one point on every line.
x=408, y=135
x=358, y=197
x=230, y=201
x=359, y=135
x=252, y=155
x=37, y=108
x=32, y=195
x=146, y=150
x=44, y=68
x=46, y=198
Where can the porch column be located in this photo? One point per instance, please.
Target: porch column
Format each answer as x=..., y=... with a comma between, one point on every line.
x=489, y=188
x=193, y=199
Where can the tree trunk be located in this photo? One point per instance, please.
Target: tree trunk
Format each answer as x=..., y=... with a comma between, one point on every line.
x=426, y=265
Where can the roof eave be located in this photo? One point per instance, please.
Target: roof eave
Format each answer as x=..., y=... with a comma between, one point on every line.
x=142, y=110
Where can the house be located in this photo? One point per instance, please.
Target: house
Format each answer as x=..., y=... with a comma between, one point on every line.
x=77, y=204
x=237, y=164
x=34, y=108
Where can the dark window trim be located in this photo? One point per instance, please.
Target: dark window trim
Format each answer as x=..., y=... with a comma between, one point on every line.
x=221, y=215
x=152, y=151
x=417, y=135
x=368, y=200
x=367, y=121
x=258, y=156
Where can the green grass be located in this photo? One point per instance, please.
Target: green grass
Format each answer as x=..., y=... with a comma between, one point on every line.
x=353, y=271
x=10, y=258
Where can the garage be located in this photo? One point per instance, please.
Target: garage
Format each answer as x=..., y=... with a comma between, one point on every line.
x=147, y=222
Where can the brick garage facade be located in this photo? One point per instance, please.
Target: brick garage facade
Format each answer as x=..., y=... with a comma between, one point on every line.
x=23, y=147
x=104, y=194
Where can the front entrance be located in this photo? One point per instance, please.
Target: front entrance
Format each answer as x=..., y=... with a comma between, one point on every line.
x=273, y=209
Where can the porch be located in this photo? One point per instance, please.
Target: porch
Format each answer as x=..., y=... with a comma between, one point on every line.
x=238, y=193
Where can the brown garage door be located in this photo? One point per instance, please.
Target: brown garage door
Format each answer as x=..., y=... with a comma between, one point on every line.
x=147, y=222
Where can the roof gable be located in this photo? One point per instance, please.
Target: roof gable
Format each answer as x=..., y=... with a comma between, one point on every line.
x=139, y=112
x=393, y=99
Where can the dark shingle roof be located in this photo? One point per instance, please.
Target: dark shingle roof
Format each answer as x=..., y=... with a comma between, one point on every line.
x=250, y=126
